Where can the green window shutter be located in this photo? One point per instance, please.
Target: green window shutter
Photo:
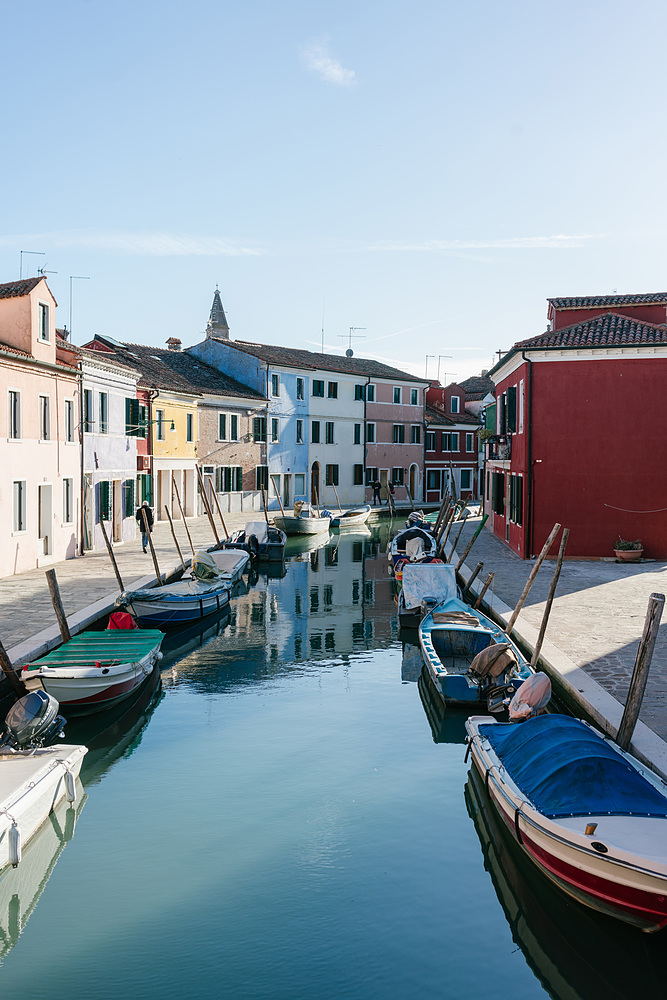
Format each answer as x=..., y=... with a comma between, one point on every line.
x=104, y=501
x=129, y=497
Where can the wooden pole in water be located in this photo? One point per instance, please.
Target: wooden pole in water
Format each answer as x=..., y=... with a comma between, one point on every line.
x=180, y=507
x=478, y=569
x=445, y=534
x=442, y=513
x=471, y=542
x=656, y=603
x=58, y=605
x=15, y=682
x=265, y=503
x=280, y=503
x=484, y=589
x=531, y=579
x=451, y=469
x=407, y=490
x=552, y=590
x=207, y=507
x=173, y=533
x=217, y=504
x=337, y=500
x=456, y=541
x=317, y=501
x=111, y=555
x=151, y=546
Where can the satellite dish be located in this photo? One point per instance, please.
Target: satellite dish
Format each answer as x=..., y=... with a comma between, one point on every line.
x=349, y=352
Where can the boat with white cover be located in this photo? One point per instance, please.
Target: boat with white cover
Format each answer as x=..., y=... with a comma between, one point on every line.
x=230, y=564
x=589, y=816
x=425, y=585
x=180, y=603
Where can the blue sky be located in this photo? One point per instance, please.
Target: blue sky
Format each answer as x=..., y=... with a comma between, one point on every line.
x=431, y=172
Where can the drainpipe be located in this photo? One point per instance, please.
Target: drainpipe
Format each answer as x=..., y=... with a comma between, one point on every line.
x=82, y=512
x=152, y=394
x=528, y=423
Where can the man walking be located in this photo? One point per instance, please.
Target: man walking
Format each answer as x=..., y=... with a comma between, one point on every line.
x=145, y=524
x=376, y=492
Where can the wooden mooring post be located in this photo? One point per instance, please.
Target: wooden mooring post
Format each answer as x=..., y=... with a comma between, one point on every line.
x=471, y=542
x=222, y=520
x=151, y=546
x=531, y=579
x=15, y=682
x=180, y=507
x=173, y=535
x=552, y=590
x=280, y=503
x=633, y=704
x=487, y=584
x=207, y=507
x=111, y=555
x=56, y=599
x=478, y=569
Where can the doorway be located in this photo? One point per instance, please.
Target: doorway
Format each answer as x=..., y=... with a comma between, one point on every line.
x=117, y=509
x=45, y=518
x=286, y=491
x=315, y=483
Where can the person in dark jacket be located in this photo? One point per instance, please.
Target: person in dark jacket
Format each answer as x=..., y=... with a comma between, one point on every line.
x=376, y=492
x=142, y=523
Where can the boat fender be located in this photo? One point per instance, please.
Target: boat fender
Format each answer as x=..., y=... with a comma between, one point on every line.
x=13, y=841
x=468, y=749
x=70, y=784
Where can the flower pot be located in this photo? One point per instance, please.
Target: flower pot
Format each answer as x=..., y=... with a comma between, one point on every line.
x=628, y=555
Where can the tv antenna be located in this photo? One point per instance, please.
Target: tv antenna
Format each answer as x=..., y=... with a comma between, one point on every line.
x=440, y=357
x=426, y=365
x=37, y=253
x=349, y=352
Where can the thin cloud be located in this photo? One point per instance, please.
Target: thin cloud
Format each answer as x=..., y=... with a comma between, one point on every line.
x=556, y=242
x=138, y=244
x=316, y=59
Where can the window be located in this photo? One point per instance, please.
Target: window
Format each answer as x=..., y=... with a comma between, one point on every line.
x=370, y=433
x=397, y=476
x=104, y=494
x=470, y=442
x=511, y=408
x=498, y=493
x=189, y=435
x=454, y=407
x=359, y=392
x=261, y=477
x=399, y=434
x=43, y=320
x=129, y=497
x=229, y=479
x=430, y=440
x=159, y=425
x=370, y=393
x=233, y=427
x=259, y=429
x=88, y=411
x=14, y=414
x=397, y=393
x=357, y=433
x=371, y=476
x=299, y=432
x=433, y=479
x=18, y=505
x=358, y=475
x=502, y=414
x=69, y=421
x=299, y=389
x=222, y=426
x=68, y=501
x=329, y=432
x=315, y=431
x=516, y=499
x=414, y=397
x=466, y=479
x=331, y=475
x=44, y=418
x=275, y=385
x=103, y=427
x=332, y=391
x=299, y=484
x=450, y=441
x=135, y=417
x=318, y=387
x=275, y=429
x=415, y=434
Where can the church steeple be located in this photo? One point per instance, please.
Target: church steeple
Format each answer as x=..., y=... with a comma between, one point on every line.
x=217, y=322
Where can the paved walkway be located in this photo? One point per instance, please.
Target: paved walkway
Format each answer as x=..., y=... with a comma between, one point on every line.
x=597, y=617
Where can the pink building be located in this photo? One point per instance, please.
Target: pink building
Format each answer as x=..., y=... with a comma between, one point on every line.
x=39, y=432
x=394, y=434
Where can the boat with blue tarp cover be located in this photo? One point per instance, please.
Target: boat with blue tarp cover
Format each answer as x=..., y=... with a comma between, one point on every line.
x=184, y=602
x=587, y=813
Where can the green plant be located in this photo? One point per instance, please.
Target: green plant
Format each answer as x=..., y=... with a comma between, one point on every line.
x=485, y=433
x=622, y=545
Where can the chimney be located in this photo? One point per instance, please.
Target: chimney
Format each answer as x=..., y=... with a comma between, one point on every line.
x=485, y=371
x=174, y=344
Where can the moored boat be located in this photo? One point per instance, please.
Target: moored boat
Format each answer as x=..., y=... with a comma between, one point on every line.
x=230, y=564
x=304, y=521
x=206, y=592
x=414, y=544
x=262, y=541
x=95, y=670
x=424, y=587
x=469, y=658
x=589, y=816
x=351, y=518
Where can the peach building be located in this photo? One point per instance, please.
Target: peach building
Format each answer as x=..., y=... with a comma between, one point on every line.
x=40, y=481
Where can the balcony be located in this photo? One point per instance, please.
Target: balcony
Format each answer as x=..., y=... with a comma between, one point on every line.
x=499, y=448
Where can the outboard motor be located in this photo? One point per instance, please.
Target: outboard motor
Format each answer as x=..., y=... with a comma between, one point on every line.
x=252, y=547
x=33, y=722
x=493, y=668
x=428, y=604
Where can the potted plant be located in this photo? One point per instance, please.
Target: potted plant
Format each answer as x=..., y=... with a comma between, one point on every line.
x=626, y=551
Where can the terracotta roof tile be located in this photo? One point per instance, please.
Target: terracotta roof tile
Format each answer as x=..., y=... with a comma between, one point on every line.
x=292, y=357
x=434, y=415
x=608, y=330
x=477, y=386
x=15, y=289
x=603, y=301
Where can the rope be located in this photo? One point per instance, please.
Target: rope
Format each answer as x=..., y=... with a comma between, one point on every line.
x=626, y=510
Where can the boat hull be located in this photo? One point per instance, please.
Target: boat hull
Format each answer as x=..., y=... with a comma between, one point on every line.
x=303, y=525
x=351, y=518
x=92, y=689
x=628, y=887
x=173, y=614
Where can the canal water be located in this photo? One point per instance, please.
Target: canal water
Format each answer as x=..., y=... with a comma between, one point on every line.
x=290, y=816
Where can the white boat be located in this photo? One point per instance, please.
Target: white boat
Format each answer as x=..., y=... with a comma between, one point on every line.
x=414, y=544
x=589, y=816
x=95, y=670
x=305, y=522
x=32, y=783
x=351, y=518
x=230, y=564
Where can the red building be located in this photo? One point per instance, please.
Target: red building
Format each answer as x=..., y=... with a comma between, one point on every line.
x=450, y=446
x=580, y=429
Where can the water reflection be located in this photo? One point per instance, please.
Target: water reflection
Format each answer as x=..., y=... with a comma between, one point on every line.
x=448, y=723
x=575, y=953
x=332, y=597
